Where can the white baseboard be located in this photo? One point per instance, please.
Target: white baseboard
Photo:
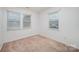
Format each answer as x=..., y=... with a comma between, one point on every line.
x=64, y=42
x=20, y=37
x=1, y=46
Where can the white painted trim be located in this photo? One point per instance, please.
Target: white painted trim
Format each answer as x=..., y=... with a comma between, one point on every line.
x=1, y=46
x=68, y=44
x=22, y=37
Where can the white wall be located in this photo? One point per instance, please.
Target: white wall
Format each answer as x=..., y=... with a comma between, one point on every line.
x=18, y=34
x=1, y=29
x=68, y=25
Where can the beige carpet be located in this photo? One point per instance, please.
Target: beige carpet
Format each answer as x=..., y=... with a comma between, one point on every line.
x=36, y=43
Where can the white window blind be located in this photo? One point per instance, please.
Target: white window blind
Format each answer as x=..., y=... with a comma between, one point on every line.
x=53, y=21
x=26, y=21
x=13, y=20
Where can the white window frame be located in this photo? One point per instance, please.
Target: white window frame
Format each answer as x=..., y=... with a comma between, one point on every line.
x=53, y=20
x=17, y=15
x=25, y=21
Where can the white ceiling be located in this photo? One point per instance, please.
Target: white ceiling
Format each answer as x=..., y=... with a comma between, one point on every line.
x=38, y=9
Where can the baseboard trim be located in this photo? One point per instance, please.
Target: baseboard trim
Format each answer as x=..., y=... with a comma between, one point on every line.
x=21, y=38
x=46, y=36
x=67, y=44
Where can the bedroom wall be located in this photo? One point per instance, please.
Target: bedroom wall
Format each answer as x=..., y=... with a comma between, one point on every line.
x=68, y=31
x=18, y=34
x=1, y=34
x=68, y=25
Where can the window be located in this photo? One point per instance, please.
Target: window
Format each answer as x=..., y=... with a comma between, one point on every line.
x=53, y=21
x=13, y=20
x=26, y=21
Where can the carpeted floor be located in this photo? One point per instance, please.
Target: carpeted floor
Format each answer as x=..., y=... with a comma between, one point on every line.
x=36, y=43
